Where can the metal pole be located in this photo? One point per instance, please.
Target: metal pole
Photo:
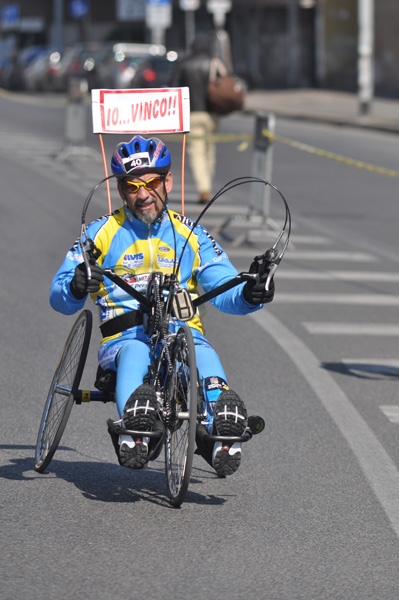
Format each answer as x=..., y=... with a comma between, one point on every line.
x=190, y=28
x=158, y=35
x=262, y=164
x=58, y=24
x=365, y=51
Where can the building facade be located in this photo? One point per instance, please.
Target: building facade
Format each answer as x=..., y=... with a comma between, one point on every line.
x=274, y=43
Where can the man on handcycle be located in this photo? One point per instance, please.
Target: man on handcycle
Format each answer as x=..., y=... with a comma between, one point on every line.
x=135, y=240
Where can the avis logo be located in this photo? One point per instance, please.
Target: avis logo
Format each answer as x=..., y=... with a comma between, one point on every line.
x=132, y=261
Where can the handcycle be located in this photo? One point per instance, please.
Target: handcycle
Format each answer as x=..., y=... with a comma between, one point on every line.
x=166, y=307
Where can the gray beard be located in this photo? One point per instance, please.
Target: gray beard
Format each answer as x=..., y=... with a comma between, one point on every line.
x=145, y=218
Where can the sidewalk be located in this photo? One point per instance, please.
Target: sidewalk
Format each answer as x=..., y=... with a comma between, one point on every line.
x=325, y=106
x=340, y=108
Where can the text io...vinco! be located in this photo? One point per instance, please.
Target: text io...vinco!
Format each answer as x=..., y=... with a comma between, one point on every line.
x=142, y=111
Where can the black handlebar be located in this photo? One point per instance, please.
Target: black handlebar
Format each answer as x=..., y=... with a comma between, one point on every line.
x=146, y=303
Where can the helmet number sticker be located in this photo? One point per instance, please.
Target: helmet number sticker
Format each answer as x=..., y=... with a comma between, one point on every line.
x=141, y=159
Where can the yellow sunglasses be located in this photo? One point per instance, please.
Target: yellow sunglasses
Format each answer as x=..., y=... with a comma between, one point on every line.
x=134, y=186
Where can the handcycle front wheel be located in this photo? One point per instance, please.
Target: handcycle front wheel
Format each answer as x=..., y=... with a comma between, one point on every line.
x=62, y=391
x=182, y=391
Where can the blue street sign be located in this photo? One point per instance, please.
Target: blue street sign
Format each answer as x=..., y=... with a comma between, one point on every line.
x=9, y=14
x=78, y=8
x=157, y=2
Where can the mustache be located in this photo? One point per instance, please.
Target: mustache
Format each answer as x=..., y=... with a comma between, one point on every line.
x=144, y=202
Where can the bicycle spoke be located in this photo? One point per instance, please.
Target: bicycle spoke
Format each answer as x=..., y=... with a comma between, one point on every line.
x=63, y=387
x=182, y=391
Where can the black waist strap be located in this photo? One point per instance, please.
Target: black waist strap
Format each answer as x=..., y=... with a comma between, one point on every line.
x=121, y=323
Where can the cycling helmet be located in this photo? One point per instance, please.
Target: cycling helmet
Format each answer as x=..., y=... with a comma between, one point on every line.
x=140, y=156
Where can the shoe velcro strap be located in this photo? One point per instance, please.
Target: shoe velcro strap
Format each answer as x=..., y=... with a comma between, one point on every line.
x=121, y=323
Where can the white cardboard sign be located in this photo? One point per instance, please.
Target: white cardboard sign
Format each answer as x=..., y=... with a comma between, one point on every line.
x=152, y=110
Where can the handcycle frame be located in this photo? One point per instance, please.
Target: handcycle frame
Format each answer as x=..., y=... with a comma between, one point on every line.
x=172, y=371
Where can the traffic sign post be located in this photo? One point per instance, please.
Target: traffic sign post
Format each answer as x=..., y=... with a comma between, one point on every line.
x=78, y=8
x=10, y=16
x=257, y=218
x=189, y=6
x=219, y=8
x=158, y=17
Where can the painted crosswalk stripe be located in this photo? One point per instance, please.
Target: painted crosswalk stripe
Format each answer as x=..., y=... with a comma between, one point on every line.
x=301, y=274
x=220, y=209
x=305, y=255
x=381, y=365
x=372, y=367
x=349, y=299
x=391, y=412
x=347, y=257
x=311, y=240
x=329, y=328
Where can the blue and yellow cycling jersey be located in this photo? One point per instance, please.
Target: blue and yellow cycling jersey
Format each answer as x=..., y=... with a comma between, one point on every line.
x=134, y=250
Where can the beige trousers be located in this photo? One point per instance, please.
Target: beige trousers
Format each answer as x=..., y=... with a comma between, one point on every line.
x=202, y=152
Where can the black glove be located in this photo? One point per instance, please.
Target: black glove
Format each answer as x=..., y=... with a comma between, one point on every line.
x=254, y=290
x=79, y=285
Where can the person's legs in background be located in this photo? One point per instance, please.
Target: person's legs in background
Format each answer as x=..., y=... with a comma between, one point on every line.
x=202, y=152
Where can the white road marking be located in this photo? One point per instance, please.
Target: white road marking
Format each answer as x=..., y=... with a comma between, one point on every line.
x=337, y=256
x=367, y=276
x=330, y=328
x=391, y=364
x=375, y=366
x=376, y=464
x=391, y=412
x=294, y=239
x=221, y=208
x=326, y=298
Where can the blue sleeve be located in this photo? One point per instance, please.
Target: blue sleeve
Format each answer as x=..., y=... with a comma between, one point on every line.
x=216, y=269
x=61, y=298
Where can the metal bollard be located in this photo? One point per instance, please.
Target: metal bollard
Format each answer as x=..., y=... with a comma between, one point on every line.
x=262, y=162
x=75, y=120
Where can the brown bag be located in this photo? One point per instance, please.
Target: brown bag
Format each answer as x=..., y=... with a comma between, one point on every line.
x=225, y=92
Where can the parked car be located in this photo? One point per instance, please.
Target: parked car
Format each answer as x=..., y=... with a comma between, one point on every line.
x=77, y=61
x=153, y=72
x=116, y=64
x=5, y=65
x=14, y=65
x=40, y=74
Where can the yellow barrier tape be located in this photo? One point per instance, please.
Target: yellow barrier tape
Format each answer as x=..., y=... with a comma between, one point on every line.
x=246, y=139
x=319, y=152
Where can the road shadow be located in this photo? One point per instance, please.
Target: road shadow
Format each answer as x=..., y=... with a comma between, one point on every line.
x=103, y=481
x=363, y=370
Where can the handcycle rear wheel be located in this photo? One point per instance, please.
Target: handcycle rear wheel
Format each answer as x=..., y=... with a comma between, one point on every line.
x=180, y=431
x=63, y=388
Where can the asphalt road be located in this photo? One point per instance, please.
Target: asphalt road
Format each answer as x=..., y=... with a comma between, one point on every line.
x=313, y=512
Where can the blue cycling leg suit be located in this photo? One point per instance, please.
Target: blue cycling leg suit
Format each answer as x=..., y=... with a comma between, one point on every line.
x=130, y=357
